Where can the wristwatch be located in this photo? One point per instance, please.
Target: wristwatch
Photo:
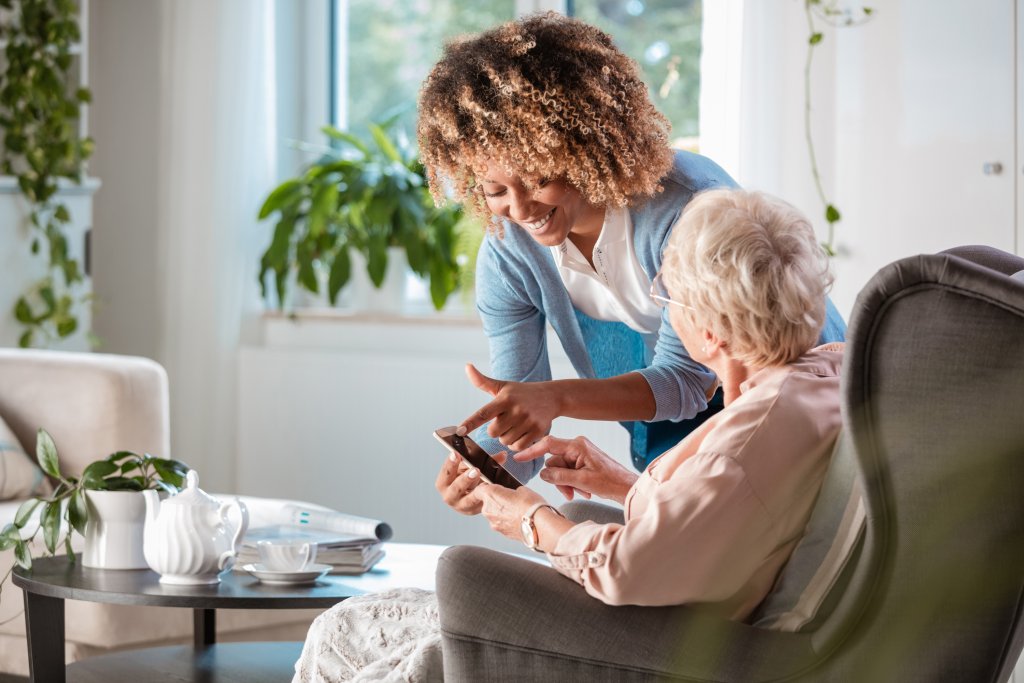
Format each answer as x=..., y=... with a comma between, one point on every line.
x=530, y=535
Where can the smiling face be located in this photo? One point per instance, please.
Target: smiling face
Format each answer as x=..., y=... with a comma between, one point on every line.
x=548, y=213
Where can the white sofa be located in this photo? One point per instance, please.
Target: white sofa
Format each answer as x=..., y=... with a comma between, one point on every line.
x=93, y=405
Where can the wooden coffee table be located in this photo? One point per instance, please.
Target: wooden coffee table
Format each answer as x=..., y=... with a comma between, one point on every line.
x=53, y=580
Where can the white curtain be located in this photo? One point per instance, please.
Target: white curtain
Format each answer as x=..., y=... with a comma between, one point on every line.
x=217, y=150
x=752, y=97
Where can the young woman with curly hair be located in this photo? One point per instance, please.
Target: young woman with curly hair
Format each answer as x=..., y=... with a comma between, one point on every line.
x=545, y=129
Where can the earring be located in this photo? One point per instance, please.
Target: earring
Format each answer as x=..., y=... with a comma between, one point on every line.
x=704, y=349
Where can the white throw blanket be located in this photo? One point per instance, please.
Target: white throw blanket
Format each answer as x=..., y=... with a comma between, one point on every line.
x=391, y=636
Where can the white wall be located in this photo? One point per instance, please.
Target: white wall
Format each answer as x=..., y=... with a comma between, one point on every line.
x=125, y=76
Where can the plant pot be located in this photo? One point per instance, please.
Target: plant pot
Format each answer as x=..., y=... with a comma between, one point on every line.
x=114, y=532
x=390, y=296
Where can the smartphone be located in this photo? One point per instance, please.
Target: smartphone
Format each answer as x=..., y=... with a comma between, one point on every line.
x=490, y=469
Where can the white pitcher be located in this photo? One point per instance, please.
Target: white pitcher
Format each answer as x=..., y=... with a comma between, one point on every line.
x=188, y=539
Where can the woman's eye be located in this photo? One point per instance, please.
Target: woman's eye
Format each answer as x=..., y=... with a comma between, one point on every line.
x=498, y=193
x=543, y=182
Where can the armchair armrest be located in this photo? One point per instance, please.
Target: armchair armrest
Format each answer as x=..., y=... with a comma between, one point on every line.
x=507, y=618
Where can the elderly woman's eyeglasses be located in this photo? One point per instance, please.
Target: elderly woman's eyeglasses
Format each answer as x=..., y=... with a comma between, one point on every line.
x=660, y=294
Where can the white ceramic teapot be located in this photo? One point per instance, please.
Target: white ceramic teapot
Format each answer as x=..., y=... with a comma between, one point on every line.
x=188, y=539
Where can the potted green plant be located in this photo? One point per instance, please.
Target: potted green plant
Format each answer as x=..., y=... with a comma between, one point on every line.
x=364, y=195
x=42, y=144
x=105, y=505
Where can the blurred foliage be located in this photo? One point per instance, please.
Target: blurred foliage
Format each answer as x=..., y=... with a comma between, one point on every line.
x=382, y=78
x=39, y=119
x=663, y=36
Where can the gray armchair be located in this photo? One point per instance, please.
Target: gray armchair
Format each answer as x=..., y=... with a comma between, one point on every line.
x=933, y=400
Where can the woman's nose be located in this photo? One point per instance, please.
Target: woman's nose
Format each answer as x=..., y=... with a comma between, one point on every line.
x=520, y=206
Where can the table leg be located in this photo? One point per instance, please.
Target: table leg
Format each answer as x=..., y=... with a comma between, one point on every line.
x=204, y=628
x=44, y=626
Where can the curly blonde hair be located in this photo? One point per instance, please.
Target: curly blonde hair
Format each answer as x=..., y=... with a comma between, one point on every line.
x=545, y=96
x=751, y=270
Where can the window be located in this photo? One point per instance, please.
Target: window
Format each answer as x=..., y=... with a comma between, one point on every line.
x=383, y=49
x=663, y=36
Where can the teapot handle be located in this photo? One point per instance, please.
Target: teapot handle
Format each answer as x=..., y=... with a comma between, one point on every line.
x=243, y=511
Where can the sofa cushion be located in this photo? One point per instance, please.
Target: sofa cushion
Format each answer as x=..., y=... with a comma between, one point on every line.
x=800, y=598
x=20, y=476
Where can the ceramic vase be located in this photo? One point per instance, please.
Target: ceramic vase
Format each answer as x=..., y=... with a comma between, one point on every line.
x=114, y=531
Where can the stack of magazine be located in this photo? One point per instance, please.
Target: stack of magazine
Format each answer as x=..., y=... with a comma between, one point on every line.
x=350, y=544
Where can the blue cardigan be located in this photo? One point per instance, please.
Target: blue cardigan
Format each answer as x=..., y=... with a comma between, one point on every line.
x=519, y=290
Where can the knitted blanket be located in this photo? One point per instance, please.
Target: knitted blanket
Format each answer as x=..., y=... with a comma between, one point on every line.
x=391, y=636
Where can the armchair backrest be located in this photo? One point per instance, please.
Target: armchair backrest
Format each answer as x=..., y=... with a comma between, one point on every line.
x=934, y=398
x=92, y=404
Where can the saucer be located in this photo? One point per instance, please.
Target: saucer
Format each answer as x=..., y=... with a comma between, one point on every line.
x=288, y=577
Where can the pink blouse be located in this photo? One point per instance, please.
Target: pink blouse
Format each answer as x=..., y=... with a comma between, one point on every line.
x=715, y=518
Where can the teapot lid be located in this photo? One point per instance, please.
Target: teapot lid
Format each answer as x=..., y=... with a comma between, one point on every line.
x=192, y=494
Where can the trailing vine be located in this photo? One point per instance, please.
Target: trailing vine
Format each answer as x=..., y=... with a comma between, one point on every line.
x=829, y=12
x=41, y=145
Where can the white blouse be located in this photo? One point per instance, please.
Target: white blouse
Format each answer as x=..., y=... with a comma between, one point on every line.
x=616, y=288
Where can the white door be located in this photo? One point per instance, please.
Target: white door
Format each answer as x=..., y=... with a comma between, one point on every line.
x=926, y=144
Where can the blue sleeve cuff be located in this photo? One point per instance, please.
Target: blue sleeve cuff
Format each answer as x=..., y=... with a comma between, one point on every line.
x=677, y=399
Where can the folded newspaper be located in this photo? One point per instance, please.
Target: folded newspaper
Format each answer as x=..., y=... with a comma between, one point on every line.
x=350, y=544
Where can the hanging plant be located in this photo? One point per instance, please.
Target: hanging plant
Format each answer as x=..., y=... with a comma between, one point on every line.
x=829, y=12
x=41, y=145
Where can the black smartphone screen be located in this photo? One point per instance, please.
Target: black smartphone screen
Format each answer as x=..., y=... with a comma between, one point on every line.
x=478, y=458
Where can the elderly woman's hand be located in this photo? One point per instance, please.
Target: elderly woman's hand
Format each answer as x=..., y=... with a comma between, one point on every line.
x=504, y=508
x=579, y=464
x=520, y=413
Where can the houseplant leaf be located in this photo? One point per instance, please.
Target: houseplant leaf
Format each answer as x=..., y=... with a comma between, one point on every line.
x=93, y=475
x=49, y=520
x=78, y=511
x=284, y=194
x=341, y=269
x=46, y=454
x=24, y=513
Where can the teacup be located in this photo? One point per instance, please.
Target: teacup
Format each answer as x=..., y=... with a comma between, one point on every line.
x=286, y=556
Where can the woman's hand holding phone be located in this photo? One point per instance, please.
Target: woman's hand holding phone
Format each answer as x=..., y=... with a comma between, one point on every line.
x=456, y=482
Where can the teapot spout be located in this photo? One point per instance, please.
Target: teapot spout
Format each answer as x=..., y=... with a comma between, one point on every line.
x=152, y=505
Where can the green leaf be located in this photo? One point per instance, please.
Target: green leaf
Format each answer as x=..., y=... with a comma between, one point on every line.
x=284, y=194
x=341, y=270
x=170, y=472
x=122, y=455
x=24, y=513
x=22, y=556
x=122, y=484
x=97, y=471
x=324, y=202
x=868, y=11
x=46, y=454
x=50, y=523
x=342, y=136
x=61, y=213
x=25, y=340
x=377, y=259
x=66, y=327
x=78, y=511
x=22, y=312
x=385, y=144
x=831, y=214
x=83, y=95
x=816, y=38
x=69, y=550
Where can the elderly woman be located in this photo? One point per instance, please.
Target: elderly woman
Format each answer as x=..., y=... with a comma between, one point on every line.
x=715, y=518
x=545, y=129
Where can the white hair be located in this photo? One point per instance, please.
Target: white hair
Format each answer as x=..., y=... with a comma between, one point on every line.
x=751, y=268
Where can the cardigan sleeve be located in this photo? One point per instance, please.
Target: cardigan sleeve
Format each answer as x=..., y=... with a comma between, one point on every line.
x=516, y=335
